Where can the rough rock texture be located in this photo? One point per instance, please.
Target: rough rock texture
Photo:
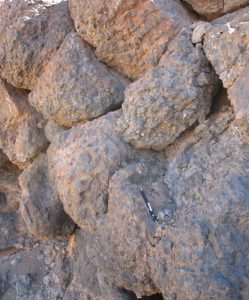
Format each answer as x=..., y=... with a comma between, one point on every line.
x=90, y=153
x=129, y=35
x=204, y=255
x=40, y=206
x=12, y=229
x=52, y=129
x=76, y=86
x=215, y=8
x=170, y=98
x=226, y=46
x=21, y=127
x=120, y=248
x=30, y=33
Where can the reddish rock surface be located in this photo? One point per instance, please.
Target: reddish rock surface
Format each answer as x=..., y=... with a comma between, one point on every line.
x=130, y=36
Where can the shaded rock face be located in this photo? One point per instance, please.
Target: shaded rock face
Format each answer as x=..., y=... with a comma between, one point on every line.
x=214, y=8
x=40, y=206
x=130, y=36
x=76, y=86
x=21, y=127
x=90, y=153
x=171, y=97
x=31, y=32
x=226, y=46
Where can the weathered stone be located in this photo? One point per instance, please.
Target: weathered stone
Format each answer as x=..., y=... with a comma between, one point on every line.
x=40, y=206
x=120, y=247
x=76, y=86
x=171, y=97
x=204, y=254
x=52, y=129
x=30, y=33
x=130, y=36
x=90, y=154
x=226, y=46
x=3, y=158
x=21, y=127
x=215, y=8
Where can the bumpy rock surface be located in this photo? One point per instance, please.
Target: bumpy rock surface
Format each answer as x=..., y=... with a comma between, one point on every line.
x=40, y=206
x=214, y=8
x=226, y=45
x=30, y=33
x=90, y=154
x=171, y=97
x=21, y=127
x=129, y=35
x=204, y=254
x=76, y=86
x=120, y=248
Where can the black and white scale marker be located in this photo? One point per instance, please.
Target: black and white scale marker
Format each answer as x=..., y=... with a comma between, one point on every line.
x=150, y=209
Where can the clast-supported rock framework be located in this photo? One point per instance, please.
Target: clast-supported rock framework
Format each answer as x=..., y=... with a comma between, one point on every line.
x=124, y=150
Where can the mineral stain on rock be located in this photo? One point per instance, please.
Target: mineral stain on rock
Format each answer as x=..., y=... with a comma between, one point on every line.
x=100, y=100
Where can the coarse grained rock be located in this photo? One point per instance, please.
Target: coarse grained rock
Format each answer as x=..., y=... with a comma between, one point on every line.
x=204, y=254
x=214, y=8
x=40, y=205
x=30, y=33
x=77, y=87
x=21, y=127
x=171, y=97
x=132, y=35
x=81, y=161
x=226, y=46
x=52, y=129
x=120, y=247
x=12, y=229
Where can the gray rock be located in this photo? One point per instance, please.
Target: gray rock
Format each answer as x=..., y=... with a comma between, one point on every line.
x=30, y=33
x=40, y=205
x=77, y=87
x=81, y=161
x=170, y=98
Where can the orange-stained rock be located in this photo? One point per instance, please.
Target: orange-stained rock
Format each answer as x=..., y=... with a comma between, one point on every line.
x=30, y=33
x=129, y=35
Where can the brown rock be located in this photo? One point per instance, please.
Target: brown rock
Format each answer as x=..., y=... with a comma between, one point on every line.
x=90, y=154
x=120, y=247
x=76, y=86
x=226, y=46
x=40, y=206
x=214, y=8
x=30, y=33
x=130, y=36
x=21, y=127
x=171, y=97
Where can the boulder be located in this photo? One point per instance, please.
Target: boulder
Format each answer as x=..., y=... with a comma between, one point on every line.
x=40, y=205
x=30, y=33
x=226, y=46
x=171, y=97
x=130, y=36
x=120, y=248
x=204, y=253
x=76, y=86
x=214, y=8
x=21, y=127
x=81, y=161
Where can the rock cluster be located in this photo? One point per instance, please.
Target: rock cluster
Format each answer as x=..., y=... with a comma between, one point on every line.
x=112, y=111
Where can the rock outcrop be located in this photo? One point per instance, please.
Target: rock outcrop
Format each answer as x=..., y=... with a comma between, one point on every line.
x=214, y=8
x=40, y=205
x=112, y=189
x=130, y=36
x=171, y=97
x=21, y=127
x=31, y=32
x=90, y=154
x=76, y=86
